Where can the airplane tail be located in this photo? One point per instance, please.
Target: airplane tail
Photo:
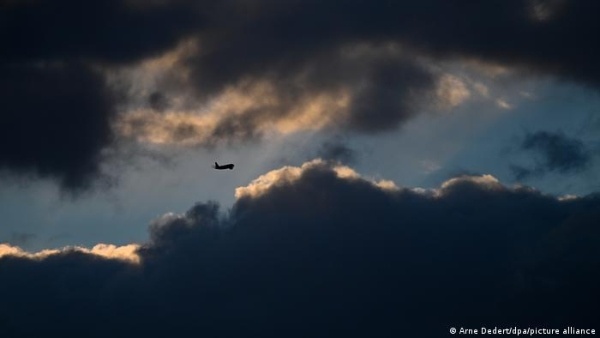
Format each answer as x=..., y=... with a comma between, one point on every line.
x=216, y=165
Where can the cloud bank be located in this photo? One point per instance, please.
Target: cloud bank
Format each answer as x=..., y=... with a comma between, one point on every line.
x=318, y=250
x=363, y=67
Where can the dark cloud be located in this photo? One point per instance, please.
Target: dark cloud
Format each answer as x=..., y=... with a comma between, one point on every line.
x=284, y=38
x=555, y=152
x=390, y=96
x=158, y=101
x=326, y=256
x=113, y=31
x=265, y=38
x=375, y=49
x=337, y=150
x=73, y=286
x=372, y=50
x=384, y=91
x=56, y=120
x=55, y=107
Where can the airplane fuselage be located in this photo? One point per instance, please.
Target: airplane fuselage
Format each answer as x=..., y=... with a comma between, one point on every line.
x=224, y=166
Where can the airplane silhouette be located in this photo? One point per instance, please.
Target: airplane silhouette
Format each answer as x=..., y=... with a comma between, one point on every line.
x=221, y=167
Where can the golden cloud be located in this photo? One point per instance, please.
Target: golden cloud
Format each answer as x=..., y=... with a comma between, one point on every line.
x=289, y=174
x=127, y=253
x=451, y=91
x=256, y=106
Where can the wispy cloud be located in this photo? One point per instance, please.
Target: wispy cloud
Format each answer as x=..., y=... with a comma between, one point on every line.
x=554, y=152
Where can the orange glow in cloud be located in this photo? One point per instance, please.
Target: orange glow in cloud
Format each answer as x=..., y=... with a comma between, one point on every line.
x=289, y=174
x=127, y=253
x=257, y=105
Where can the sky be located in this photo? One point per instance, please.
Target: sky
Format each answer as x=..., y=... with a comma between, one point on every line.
x=401, y=168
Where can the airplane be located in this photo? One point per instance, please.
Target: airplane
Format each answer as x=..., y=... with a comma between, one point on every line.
x=221, y=167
